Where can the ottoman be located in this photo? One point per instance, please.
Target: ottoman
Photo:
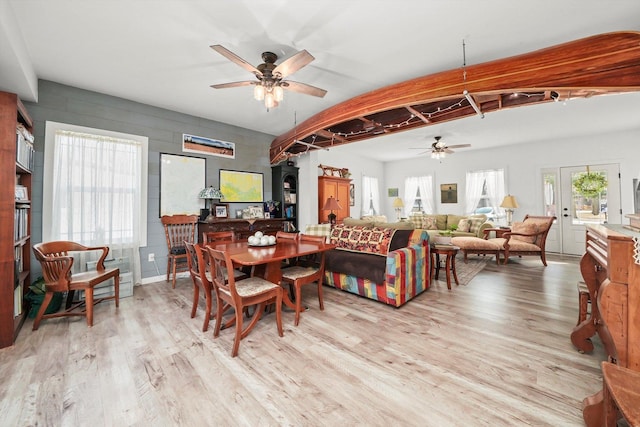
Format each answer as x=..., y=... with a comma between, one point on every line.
x=476, y=245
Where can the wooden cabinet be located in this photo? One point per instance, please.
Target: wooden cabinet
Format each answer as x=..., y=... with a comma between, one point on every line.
x=16, y=160
x=285, y=190
x=330, y=186
x=242, y=227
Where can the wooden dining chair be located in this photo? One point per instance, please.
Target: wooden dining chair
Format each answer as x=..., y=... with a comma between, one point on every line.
x=307, y=271
x=284, y=235
x=178, y=229
x=201, y=282
x=218, y=236
x=240, y=294
x=56, y=259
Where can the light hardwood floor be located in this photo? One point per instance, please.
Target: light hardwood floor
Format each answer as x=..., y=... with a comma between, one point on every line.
x=495, y=352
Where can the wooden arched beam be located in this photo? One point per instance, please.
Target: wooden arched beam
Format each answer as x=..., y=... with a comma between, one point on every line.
x=596, y=65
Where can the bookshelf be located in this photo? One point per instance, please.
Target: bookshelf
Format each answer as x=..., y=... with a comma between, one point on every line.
x=16, y=164
x=284, y=180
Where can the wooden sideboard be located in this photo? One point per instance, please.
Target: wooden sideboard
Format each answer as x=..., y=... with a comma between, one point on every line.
x=613, y=280
x=242, y=227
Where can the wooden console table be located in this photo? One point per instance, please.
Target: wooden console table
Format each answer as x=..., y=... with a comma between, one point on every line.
x=242, y=227
x=613, y=280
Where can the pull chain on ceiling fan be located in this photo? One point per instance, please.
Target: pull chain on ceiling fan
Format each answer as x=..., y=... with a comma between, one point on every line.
x=270, y=84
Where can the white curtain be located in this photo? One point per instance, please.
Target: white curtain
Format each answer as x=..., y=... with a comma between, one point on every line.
x=411, y=186
x=494, y=180
x=495, y=187
x=370, y=196
x=97, y=193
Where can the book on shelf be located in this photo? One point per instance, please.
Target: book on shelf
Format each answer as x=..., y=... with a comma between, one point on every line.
x=24, y=147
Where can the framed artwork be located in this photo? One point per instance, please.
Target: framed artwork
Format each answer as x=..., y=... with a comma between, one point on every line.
x=449, y=193
x=267, y=215
x=352, y=195
x=256, y=212
x=241, y=187
x=209, y=146
x=221, y=210
x=181, y=179
x=392, y=192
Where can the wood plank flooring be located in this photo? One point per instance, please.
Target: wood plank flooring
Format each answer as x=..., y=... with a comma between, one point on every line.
x=495, y=352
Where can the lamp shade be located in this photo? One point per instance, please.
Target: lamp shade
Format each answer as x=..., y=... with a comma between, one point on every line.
x=210, y=193
x=398, y=203
x=509, y=202
x=331, y=204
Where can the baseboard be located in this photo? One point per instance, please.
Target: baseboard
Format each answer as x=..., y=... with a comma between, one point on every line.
x=162, y=278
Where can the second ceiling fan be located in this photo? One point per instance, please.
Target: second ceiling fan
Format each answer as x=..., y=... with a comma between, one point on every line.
x=439, y=149
x=270, y=77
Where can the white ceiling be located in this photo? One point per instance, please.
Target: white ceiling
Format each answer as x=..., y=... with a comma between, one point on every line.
x=158, y=53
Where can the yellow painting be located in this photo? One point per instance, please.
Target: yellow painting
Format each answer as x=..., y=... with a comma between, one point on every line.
x=241, y=187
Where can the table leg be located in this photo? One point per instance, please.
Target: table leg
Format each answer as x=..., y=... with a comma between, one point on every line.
x=273, y=273
x=453, y=269
x=448, y=271
x=437, y=266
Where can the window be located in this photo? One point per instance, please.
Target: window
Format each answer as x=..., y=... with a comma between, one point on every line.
x=96, y=190
x=484, y=193
x=418, y=192
x=370, y=196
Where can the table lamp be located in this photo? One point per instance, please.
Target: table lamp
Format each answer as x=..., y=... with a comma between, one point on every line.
x=398, y=204
x=509, y=203
x=330, y=205
x=210, y=193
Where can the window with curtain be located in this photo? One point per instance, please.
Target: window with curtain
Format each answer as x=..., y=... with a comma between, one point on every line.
x=418, y=193
x=484, y=193
x=370, y=196
x=96, y=190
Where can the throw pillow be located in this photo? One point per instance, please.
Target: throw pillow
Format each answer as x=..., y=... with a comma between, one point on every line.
x=524, y=228
x=464, y=225
x=429, y=223
x=476, y=223
x=357, y=222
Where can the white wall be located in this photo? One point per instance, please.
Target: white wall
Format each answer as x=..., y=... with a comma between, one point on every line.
x=522, y=164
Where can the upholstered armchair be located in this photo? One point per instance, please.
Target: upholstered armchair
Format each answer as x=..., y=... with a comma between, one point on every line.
x=526, y=238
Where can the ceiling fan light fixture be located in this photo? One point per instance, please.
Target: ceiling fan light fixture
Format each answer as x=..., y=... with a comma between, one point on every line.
x=258, y=92
x=278, y=93
x=269, y=100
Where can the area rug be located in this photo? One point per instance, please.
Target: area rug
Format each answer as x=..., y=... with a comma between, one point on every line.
x=467, y=271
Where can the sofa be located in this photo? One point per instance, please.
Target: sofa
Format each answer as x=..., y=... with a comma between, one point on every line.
x=465, y=225
x=384, y=264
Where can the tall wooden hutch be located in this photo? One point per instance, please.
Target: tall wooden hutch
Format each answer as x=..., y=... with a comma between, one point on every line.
x=16, y=162
x=337, y=187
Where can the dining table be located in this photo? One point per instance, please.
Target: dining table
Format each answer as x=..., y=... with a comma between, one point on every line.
x=266, y=261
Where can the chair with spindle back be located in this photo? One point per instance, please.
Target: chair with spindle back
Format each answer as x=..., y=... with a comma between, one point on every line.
x=178, y=229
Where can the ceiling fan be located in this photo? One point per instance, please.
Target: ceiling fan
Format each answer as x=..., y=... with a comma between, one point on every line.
x=270, y=84
x=439, y=149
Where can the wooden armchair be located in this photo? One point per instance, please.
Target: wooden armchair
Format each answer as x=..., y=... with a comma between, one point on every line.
x=56, y=270
x=526, y=238
x=177, y=230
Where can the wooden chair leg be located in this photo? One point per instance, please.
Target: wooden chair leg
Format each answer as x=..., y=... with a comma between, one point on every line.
x=298, y=299
x=116, y=289
x=43, y=307
x=196, y=297
x=320, y=295
x=88, y=298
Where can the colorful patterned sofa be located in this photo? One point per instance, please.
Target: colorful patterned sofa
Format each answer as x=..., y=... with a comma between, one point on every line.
x=383, y=264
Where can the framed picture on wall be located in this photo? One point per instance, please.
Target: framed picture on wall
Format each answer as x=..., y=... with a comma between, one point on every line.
x=352, y=195
x=449, y=193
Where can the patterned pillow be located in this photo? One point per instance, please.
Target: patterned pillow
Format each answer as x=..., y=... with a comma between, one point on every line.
x=429, y=223
x=372, y=240
x=476, y=223
x=464, y=225
x=525, y=228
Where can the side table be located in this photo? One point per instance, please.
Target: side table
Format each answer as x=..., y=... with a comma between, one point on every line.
x=450, y=252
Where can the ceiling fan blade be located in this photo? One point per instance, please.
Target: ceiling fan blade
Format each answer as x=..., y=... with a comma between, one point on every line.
x=304, y=88
x=447, y=150
x=293, y=64
x=459, y=146
x=232, y=84
x=236, y=59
